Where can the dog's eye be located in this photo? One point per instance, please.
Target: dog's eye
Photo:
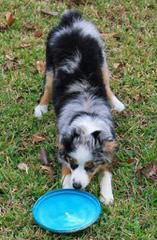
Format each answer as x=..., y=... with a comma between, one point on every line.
x=72, y=162
x=73, y=166
x=89, y=167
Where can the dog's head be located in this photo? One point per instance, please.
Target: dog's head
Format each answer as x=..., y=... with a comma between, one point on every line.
x=85, y=154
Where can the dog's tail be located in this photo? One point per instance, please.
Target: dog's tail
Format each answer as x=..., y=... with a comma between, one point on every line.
x=70, y=16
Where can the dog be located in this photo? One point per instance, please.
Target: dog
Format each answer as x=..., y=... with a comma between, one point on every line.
x=77, y=80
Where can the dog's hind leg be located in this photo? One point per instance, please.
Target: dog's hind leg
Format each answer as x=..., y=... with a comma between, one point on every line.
x=42, y=107
x=66, y=177
x=114, y=101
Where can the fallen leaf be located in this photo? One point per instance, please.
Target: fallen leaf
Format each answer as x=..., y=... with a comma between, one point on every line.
x=109, y=35
x=10, y=18
x=10, y=65
x=119, y=70
x=36, y=138
x=38, y=34
x=48, y=170
x=150, y=171
x=43, y=157
x=30, y=26
x=116, y=65
x=19, y=99
x=48, y=13
x=40, y=65
x=75, y=3
x=14, y=190
x=10, y=57
x=5, y=156
x=3, y=27
x=131, y=160
x=24, y=45
x=23, y=166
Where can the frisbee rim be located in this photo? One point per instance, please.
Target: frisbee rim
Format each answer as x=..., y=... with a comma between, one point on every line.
x=88, y=195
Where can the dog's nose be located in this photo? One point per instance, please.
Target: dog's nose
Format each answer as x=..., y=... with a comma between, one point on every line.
x=77, y=185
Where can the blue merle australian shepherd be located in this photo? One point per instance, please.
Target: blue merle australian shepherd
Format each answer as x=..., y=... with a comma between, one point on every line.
x=77, y=80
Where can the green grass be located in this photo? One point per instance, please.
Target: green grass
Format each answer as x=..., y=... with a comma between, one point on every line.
x=133, y=215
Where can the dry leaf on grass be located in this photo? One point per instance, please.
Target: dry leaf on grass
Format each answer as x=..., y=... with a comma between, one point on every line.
x=40, y=65
x=30, y=26
x=43, y=157
x=45, y=163
x=119, y=65
x=34, y=28
x=38, y=33
x=131, y=160
x=150, y=171
x=10, y=18
x=8, y=21
x=75, y=3
x=36, y=138
x=116, y=65
x=106, y=35
x=48, y=170
x=10, y=57
x=10, y=65
x=48, y=13
x=19, y=99
x=24, y=45
x=3, y=27
x=23, y=167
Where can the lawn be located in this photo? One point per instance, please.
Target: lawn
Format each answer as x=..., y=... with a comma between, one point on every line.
x=129, y=31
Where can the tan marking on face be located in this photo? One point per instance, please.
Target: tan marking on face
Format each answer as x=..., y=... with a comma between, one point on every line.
x=65, y=171
x=92, y=174
x=105, y=167
x=71, y=160
x=89, y=164
x=100, y=168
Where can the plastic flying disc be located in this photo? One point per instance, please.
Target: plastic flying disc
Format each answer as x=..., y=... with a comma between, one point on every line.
x=66, y=210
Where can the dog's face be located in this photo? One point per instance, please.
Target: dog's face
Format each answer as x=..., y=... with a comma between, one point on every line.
x=85, y=154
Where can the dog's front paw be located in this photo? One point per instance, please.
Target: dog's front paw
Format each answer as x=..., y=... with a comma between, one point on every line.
x=106, y=199
x=117, y=104
x=40, y=110
x=119, y=107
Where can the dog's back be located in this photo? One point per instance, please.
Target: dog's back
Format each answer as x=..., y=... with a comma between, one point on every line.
x=74, y=53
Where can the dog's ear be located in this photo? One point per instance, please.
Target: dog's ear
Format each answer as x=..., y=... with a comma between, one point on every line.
x=96, y=135
x=76, y=133
x=110, y=146
x=61, y=154
x=66, y=142
x=67, y=139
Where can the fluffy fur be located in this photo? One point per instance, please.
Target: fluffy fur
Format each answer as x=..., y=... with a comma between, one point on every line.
x=76, y=63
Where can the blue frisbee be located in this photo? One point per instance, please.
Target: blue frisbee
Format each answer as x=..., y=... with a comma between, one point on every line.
x=66, y=210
